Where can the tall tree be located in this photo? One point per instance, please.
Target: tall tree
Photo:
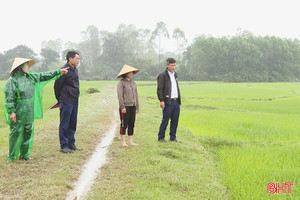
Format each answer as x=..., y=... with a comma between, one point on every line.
x=69, y=46
x=90, y=52
x=4, y=68
x=146, y=46
x=123, y=46
x=19, y=51
x=114, y=54
x=48, y=58
x=160, y=32
x=55, y=45
x=181, y=41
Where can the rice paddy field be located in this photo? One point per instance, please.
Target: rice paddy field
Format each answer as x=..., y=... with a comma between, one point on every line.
x=251, y=128
x=236, y=138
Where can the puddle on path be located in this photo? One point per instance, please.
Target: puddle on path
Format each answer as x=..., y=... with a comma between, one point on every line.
x=93, y=165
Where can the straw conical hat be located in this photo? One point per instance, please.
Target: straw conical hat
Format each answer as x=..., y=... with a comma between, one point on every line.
x=20, y=61
x=127, y=68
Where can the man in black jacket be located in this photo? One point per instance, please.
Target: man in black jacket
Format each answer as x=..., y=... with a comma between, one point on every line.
x=169, y=97
x=66, y=90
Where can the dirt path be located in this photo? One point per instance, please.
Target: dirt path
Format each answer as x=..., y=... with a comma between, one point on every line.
x=96, y=161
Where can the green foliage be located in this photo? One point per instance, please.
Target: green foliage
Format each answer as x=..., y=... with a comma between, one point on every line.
x=239, y=58
x=6, y=59
x=49, y=57
x=92, y=90
x=242, y=58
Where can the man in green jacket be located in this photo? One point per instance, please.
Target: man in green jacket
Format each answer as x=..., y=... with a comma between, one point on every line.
x=23, y=103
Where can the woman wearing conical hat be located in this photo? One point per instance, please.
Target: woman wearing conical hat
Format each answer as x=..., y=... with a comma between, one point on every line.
x=23, y=103
x=128, y=102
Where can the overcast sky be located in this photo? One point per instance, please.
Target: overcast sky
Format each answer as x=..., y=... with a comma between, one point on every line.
x=30, y=22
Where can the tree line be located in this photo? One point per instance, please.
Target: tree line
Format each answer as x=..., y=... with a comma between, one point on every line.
x=240, y=58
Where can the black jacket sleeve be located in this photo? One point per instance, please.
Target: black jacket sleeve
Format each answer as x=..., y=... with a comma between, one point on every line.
x=58, y=86
x=160, y=86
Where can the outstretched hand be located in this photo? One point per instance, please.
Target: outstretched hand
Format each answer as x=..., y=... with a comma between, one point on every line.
x=64, y=70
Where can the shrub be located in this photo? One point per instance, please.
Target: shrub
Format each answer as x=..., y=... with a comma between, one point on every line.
x=92, y=90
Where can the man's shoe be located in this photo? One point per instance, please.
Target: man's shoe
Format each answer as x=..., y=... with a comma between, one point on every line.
x=66, y=150
x=74, y=148
x=162, y=140
x=175, y=141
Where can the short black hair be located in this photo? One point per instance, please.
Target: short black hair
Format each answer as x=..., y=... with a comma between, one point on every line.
x=71, y=54
x=170, y=60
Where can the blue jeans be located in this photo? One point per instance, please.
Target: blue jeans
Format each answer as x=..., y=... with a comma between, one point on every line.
x=170, y=111
x=68, y=123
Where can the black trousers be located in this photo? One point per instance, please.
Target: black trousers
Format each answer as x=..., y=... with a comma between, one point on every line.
x=127, y=120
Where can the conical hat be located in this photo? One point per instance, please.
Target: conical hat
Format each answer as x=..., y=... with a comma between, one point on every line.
x=20, y=61
x=127, y=68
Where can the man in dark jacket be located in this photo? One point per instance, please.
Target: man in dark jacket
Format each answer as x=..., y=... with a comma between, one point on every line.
x=169, y=97
x=66, y=90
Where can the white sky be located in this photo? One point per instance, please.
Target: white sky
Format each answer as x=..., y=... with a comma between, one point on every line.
x=30, y=22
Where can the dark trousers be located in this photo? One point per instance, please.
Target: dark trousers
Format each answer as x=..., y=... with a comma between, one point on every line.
x=68, y=123
x=170, y=111
x=127, y=120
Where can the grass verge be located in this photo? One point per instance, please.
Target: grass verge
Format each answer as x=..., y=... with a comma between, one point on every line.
x=51, y=174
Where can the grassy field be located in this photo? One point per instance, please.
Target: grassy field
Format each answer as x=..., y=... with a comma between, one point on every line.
x=51, y=174
x=252, y=128
x=236, y=138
